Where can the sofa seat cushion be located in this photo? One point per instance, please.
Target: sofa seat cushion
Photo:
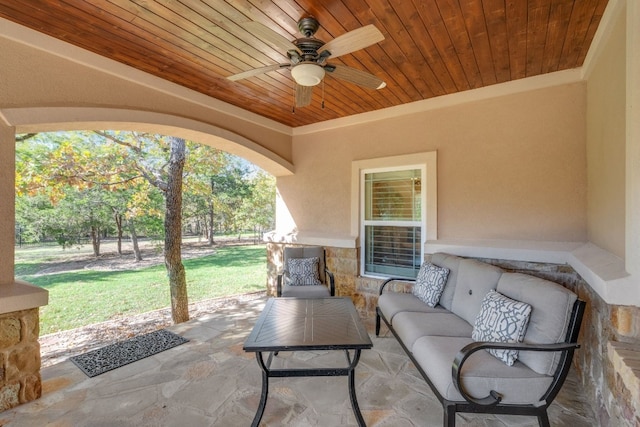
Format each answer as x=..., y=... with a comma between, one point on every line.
x=481, y=372
x=410, y=326
x=392, y=303
x=475, y=280
x=552, y=306
x=309, y=291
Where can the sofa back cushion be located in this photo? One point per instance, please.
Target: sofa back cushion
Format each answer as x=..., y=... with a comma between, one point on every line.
x=550, y=315
x=475, y=279
x=451, y=262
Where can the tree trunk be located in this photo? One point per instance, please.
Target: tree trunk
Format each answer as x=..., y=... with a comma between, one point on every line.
x=118, y=218
x=173, y=233
x=95, y=240
x=134, y=240
x=210, y=226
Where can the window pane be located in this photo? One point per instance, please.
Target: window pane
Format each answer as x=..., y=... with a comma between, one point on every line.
x=392, y=251
x=393, y=196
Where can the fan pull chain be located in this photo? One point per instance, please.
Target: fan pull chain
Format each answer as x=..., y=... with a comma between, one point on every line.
x=323, y=94
x=293, y=107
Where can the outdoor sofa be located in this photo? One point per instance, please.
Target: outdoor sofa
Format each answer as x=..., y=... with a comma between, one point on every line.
x=460, y=309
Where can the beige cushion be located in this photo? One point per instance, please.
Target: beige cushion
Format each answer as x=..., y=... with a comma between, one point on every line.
x=475, y=280
x=552, y=305
x=411, y=326
x=451, y=262
x=480, y=373
x=319, y=291
x=307, y=252
x=392, y=303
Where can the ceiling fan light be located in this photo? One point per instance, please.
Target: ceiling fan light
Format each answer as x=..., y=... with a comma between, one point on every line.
x=307, y=74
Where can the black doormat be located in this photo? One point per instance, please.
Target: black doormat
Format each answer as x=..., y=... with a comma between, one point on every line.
x=113, y=356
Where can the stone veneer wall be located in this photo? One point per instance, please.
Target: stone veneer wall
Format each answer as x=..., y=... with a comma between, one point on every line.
x=20, y=380
x=608, y=361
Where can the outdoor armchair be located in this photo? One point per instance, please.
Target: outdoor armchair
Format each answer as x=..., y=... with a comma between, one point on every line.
x=305, y=274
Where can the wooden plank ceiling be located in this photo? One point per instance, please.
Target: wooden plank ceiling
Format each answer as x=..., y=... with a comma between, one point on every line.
x=431, y=47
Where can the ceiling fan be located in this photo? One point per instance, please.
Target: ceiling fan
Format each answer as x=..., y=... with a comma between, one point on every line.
x=308, y=57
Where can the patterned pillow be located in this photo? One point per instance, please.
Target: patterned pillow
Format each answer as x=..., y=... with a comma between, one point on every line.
x=430, y=283
x=303, y=271
x=501, y=319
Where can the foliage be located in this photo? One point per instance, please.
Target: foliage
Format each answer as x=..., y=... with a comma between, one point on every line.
x=108, y=175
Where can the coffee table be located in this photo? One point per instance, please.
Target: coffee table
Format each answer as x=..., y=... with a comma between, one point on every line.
x=300, y=324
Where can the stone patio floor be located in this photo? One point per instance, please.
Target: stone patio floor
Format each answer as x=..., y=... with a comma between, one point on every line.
x=211, y=381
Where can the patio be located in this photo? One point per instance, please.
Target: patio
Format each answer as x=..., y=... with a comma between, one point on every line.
x=211, y=381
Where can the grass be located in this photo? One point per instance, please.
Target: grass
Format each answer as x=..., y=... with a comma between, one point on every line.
x=82, y=297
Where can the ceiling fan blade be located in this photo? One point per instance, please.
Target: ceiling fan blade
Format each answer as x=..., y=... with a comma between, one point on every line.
x=303, y=95
x=356, y=76
x=265, y=33
x=257, y=71
x=353, y=40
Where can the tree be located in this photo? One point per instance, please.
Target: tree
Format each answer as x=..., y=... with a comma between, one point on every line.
x=173, y=232
x=116, y=180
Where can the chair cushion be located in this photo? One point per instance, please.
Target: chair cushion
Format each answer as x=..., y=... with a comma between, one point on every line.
x=303, y=271
x=552, y=306
x=451, y=262
x=305, y=291
x=392, y=303
x=475, y=280
x=291, y=252
x=501, y=319
x=430, y=283
x=480, y=373
x=411, y=326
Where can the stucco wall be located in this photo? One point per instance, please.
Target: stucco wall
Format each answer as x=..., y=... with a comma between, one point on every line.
x=56, y=75
x=509, y=167
x=606, y=143
x=7, y=205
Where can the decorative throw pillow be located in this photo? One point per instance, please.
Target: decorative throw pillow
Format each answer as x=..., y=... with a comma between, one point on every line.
x=303, y=271
x=430, y=283
x=501, y=319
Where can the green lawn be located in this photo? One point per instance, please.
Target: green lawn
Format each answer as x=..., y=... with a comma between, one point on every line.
x=83, y=297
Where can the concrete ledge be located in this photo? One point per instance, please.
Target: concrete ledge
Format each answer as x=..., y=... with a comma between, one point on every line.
x=311, y=239
x=21, y=296
x=602, y=270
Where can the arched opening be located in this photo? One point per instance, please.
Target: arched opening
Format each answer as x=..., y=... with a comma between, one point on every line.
x=24, y=299
x=161, y=124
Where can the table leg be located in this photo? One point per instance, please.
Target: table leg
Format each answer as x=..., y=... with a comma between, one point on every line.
x=352, y=387
x=265, y=389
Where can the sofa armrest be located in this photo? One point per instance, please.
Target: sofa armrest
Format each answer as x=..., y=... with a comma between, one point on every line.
x=393, y=279
x=494, y=397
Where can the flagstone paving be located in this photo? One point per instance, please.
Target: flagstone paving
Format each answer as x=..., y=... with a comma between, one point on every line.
x=211, y=381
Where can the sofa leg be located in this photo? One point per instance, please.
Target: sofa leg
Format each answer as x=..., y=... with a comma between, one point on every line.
x=377, y=325
x=449, y=416
x=543, y=419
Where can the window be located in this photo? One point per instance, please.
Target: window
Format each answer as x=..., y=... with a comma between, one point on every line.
x=392, y=222
x=395, y=202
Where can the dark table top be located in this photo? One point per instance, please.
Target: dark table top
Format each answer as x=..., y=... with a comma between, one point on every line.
x=288, y=324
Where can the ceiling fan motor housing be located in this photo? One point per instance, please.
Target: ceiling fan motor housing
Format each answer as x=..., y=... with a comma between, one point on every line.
x=308, y=26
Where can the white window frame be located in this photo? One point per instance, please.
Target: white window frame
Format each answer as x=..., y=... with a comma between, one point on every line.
x=427, y=163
